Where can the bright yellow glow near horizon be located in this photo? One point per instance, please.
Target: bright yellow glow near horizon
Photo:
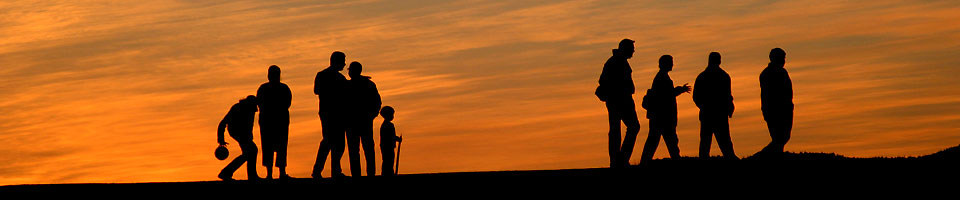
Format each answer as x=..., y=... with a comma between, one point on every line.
x=131, y=91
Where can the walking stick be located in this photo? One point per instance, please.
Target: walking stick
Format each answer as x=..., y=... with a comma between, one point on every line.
x=396, y=170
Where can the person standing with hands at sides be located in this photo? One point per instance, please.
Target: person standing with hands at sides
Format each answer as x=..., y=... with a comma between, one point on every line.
x=329, y=87
x=776, y=101
x=274, y=102
x=616, y=89
x=239, y=122
x=712, y=94
x=661, y=104
x=388, y=140
x=363, y=102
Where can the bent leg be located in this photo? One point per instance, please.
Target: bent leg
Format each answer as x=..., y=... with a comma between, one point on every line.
x=322, y=153
x=629, y=116
x=228, y=171
x=249, y=150
x=650, y=146
x=670, y=139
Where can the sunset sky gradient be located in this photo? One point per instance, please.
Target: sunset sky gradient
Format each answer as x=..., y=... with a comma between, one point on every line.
x=132, y=91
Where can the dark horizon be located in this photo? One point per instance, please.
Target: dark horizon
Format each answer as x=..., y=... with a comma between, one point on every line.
x=133, y=92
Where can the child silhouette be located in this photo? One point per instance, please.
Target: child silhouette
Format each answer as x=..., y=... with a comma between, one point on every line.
x=388, y=140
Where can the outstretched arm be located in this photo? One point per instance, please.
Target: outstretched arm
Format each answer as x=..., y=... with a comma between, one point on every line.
x=681, y=89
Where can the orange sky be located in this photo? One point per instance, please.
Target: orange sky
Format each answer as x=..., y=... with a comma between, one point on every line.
x=131, y=91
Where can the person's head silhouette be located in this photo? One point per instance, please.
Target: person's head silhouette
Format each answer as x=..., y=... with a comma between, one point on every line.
x=625, y=48
x=249, y=103
x=778, y=56
x=714, y=59
x=666, y=63
x=355, y=69
x=387, y=113
x=273, y=73
x=338, y=60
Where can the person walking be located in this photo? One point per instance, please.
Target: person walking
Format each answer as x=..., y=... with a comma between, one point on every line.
x=616, y=90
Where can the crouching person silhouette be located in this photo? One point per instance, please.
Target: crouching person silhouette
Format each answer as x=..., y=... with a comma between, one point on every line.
x=239, y=121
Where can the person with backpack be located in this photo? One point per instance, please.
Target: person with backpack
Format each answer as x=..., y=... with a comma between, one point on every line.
x=616, y=90
x=661, y=105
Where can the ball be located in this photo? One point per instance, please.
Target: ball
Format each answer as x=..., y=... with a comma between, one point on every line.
x=221, y=153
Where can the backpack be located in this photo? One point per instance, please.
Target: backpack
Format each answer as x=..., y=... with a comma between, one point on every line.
x=601, y=93
x=647, y=100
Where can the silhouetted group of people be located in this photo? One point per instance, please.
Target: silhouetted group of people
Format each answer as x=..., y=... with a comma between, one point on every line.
x=347, y=109
x=711, y=94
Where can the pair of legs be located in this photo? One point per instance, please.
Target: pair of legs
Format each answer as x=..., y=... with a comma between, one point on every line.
x=249, y=156
x=779, y=123
x=361, y=131
x=622, y=109
x=332, y=143
x=387, y=153
x=273, y=138
x=715, y=125
x=666, y=129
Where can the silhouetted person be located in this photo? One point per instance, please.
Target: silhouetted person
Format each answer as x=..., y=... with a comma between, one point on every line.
x=711, y=93
x=616, y=88
x=363, y=102
x=776, y=101
x=388, y=140
x=239, y=122
x=274, y=101
x=330, y=87
x=661, y=104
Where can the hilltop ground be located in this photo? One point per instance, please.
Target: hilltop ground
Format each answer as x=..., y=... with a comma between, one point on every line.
x=795, y=173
